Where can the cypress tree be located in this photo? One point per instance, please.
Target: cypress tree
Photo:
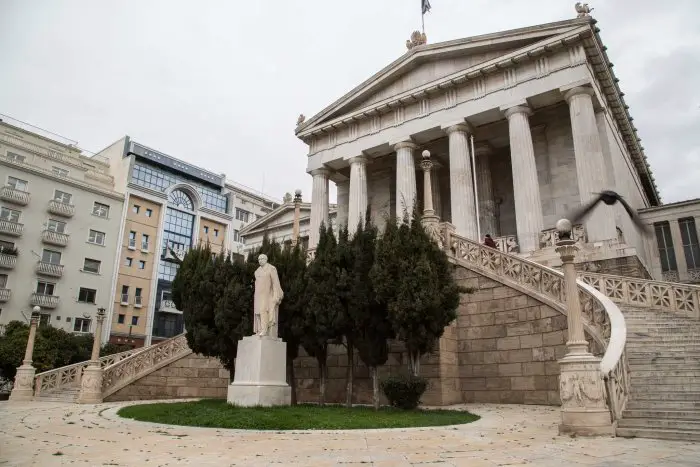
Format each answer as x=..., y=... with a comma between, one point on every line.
x=347, y=326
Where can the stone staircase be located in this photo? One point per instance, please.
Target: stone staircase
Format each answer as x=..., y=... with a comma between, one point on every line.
x=663, y=351
x=63, y=395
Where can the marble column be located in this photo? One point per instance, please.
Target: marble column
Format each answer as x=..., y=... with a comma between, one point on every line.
x=343, y=198
x=590, y=163
x=357, y=206
x=526, y=186
x=462, y=182
x=435, y=185
x=484, y=186
x=319, y=205
x=405, y=179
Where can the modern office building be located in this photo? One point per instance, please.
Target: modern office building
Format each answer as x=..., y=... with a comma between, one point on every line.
x=59, y=225
x=170, y=206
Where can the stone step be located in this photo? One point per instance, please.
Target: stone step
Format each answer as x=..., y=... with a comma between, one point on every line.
x=657, y=395
x=662, y=405
x=678, y=435
x=639, y=385
x=671, y=424
x=660, y=360
x=692, y=415
x=664, y=373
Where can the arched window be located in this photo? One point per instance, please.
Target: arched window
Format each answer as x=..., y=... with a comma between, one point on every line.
x=180, y=199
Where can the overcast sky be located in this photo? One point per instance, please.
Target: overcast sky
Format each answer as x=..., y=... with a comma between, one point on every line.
x=221, y=83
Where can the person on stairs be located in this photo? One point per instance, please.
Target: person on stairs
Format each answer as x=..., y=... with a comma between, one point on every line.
x=488, y=241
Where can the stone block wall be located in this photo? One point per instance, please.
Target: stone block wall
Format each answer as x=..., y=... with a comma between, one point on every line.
x=628, y=266
x=191, y=376
x=509, y=344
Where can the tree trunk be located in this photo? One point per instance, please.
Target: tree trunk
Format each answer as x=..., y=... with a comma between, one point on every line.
x=350, y=375
x=323, y=370
x=414, y=363
x=292, y=380
x=375, y=387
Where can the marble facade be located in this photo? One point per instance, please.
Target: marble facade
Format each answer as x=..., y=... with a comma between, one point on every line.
x=539, y=106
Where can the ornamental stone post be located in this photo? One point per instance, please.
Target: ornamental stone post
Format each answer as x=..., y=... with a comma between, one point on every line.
x=297, y=213
x=430, y=221
x=23, y=389
x=584, y=410
x=91, y=380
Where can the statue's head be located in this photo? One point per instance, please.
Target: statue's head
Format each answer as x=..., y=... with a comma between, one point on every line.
x=262, y=260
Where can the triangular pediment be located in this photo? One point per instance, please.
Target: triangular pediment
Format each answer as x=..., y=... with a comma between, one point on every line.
x=281, y=216
x=431, y=63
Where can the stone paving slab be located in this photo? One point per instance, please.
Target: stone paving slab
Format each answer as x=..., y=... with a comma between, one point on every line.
x=53, y=433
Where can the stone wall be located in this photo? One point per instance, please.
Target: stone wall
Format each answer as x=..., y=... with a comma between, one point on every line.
x=509, y=344
x=191, y=376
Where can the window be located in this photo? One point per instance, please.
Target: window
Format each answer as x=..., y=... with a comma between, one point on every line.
x=3, y=281
x=45, y=288
x=56, y=226
x=144, y=242
x=16, y=157
x=132, y=239
x=98, y=238
x=62, y=196
x=51, y=256
x=120, y=319
x=667, y=255
x=142, y=265
x=138, y=298
x=689, y=236
x=216, y=232
x=166, y=295
x=206, y=229
x=125, y=294
x=17, y=183
x=7, y=214
x=134, y=320
x=81, y=325
x=135, y=208
x=149, y=212
x=100, y=210
x=128, y=262
x=181, y=200
x=236, y=236
x=242, y=215
x=59, y=171
x=6, y=246
x=86, y=295
x=92, y=265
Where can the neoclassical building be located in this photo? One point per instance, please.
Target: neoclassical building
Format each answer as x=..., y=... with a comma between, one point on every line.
x=524, y=126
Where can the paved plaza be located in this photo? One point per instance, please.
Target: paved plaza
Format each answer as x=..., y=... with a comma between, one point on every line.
x=49, y=434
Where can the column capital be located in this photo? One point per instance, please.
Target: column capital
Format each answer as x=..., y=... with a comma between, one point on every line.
x=405, y=144
x=517, y=109
x=482, y=149
x=321, y=171
x=361, y=159
x=462, y=127
x=578, y=91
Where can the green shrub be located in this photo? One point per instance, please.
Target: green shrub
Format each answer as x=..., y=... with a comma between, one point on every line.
x=404, y=392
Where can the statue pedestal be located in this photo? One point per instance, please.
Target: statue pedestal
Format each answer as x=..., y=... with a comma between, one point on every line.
x=23, y=389
x=261, y=373
x=91, y=385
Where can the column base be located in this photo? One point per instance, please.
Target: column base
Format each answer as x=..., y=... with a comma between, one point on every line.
x=584, y=409
x=91, y=386
x=23, y=389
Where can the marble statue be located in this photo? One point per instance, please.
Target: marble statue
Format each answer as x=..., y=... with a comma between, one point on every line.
x=301, y=119
x=417, y=38
x=268, y=295
x=582, y=10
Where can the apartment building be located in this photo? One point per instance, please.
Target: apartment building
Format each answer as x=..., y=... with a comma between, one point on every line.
x=59, y=226
x=170, y=206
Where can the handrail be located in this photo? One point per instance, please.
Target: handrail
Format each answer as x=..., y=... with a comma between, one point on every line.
x=70, y=375
x=667, y=296
x=603, y=320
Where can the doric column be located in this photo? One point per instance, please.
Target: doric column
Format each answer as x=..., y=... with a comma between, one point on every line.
x=357, y=206
x=405, y=179
x=590, y=164
x=461, y=182
x=343, y=198
x=526, y=187
x=484, y=186
x=319, y=204
x=23, y=389
x=435, y=185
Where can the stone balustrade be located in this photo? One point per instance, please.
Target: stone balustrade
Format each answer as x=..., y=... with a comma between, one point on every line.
x=12, y=195
x=44, y=301
x=54, y=238
x=7, y=261
x=14, y=229
x=49, y=269
x=507, y=243
x=5, y=295
x=550, y=237
x=61, y=209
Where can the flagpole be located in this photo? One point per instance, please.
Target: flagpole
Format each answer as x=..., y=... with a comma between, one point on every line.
x=422, y=20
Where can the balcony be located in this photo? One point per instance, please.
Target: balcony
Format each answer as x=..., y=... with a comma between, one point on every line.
x=43, y=300
x=54, y=238
x=14, y=229
x=8, y=261
x=168, y=306
x=14, y=196
x=61, y=209
x=5, y=295
x=49, y=269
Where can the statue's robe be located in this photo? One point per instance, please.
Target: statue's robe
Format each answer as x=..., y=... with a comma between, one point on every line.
x=268, y=294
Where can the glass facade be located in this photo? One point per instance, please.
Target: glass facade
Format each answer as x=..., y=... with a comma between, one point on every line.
x=160, y=179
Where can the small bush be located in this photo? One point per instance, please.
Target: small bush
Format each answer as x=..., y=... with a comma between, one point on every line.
x=404, y=392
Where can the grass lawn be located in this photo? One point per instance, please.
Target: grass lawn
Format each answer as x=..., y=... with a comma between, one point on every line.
x=216, y=413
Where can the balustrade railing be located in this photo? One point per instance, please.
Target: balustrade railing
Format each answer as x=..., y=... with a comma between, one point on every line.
x=5, y=294
x=54, y=238
x=7, y=261
x=44, y=300
x=665, y=296
x=603, y=320
x=11, y=228
x=550, y=237
x=69, y=376
x=49, y=269
x=61, y=209
x=122, y=373
x=507, y=244
x=14, y=195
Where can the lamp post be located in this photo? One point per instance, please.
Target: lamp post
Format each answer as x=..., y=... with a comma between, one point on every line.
x=297, y=212
x=584, y=409
x=23, y=389
x=91, y=379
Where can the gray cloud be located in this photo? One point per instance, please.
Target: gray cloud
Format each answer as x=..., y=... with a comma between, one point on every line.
x=220, y=83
